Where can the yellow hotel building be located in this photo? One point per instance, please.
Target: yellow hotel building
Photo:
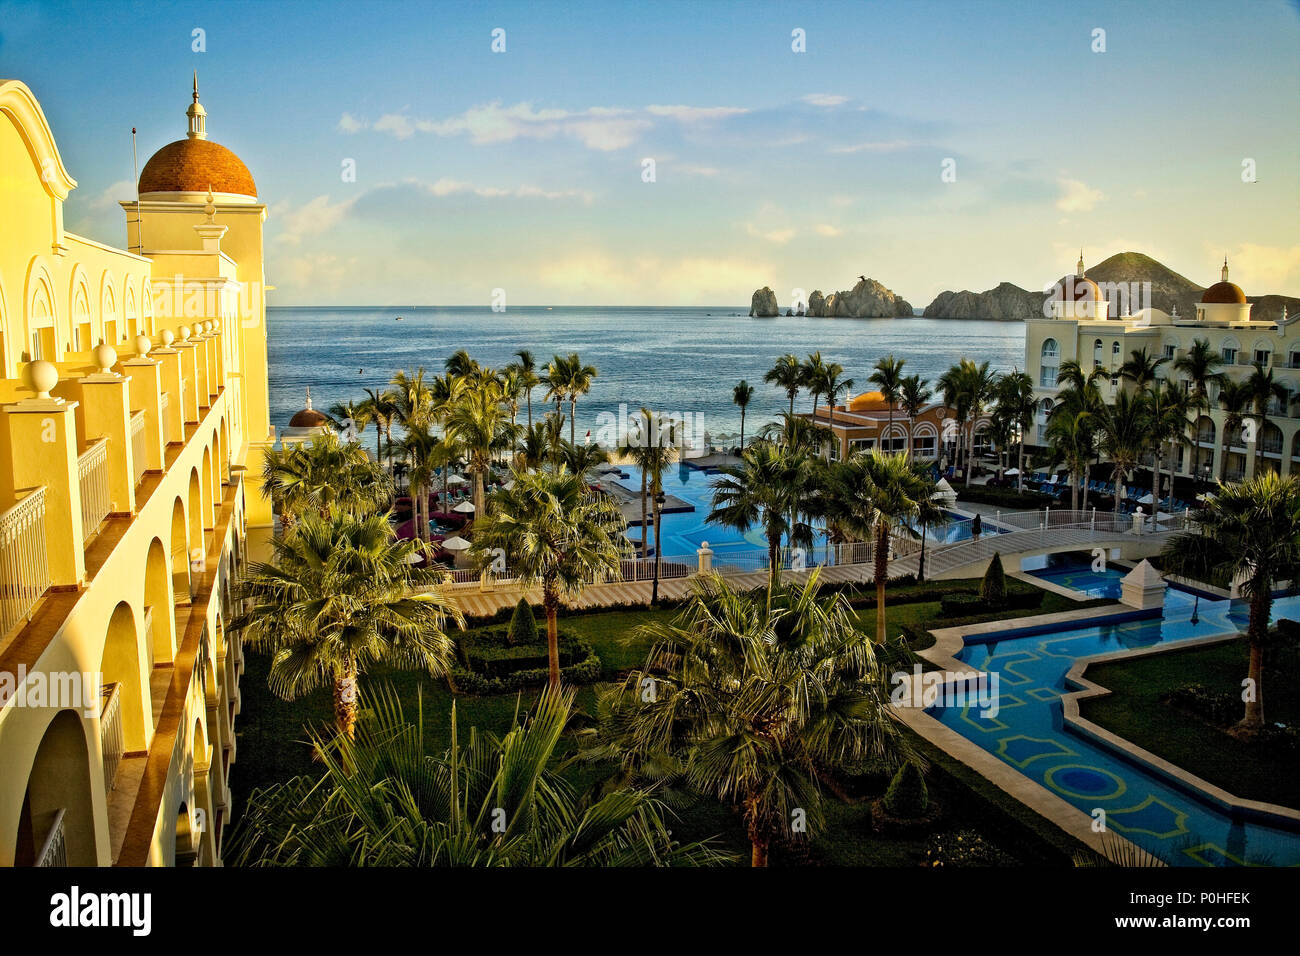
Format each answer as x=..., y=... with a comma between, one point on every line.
x=133, y=408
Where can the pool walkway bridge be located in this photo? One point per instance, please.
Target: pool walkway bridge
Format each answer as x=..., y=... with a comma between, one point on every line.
x=1013, y=535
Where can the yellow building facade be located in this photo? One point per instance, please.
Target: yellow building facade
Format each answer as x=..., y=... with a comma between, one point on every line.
x=1079, y=326
x=133, y=403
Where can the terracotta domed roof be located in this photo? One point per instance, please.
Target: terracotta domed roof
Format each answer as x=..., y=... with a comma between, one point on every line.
x=307, y=418
x=194, y=165
x=1076, y=289
x=867, y=401
x=1224, y=292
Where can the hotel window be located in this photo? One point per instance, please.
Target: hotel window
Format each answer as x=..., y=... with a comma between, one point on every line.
x=926, y=447
x=1096, y=354
x=1262, y=356
x=1229, y=355
x=1114, y=353
x=1293, y=361
x=1051, y=354
x=1169, y=351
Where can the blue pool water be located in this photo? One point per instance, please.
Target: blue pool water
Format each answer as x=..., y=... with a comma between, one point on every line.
x=1140, y=804
x=684, y=532
x=1074, y=570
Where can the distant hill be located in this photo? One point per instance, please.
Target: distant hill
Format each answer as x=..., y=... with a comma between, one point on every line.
x=1168, y=289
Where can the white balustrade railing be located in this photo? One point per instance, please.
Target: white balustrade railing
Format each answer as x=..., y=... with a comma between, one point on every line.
x=111, y=739
x=54, y=848
x=139, y=449
x=24, y=567
x=92, y=475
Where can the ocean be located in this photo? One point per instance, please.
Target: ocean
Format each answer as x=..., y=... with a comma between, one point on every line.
x=673, y=360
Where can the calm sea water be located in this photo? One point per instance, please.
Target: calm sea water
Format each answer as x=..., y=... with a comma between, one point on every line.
x=674, y=360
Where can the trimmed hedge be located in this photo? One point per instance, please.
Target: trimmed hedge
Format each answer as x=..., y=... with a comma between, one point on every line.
x=523, y=624
x=907, y=796
x=993, y=588
x=971, y=605
x=489, y=664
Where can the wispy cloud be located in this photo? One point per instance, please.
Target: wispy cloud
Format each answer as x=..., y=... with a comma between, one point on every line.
x=1077, y=196
x=887, y=146
x=825, y=99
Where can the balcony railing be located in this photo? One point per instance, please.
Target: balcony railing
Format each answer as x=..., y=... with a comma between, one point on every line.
x=111, y=740
x=139, y=451
x=24, y=568
x=164, y=415
x=92, y=475
x=54, y=851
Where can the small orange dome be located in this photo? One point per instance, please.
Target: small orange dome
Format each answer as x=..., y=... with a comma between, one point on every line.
x=307, y=418
x=867, y=402
x=1076, y=289
x=1224, y=293
x=194, y=165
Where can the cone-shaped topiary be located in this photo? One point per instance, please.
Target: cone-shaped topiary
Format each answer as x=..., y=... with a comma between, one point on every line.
x=993, y=589
x=523, y=625
x=907, y=796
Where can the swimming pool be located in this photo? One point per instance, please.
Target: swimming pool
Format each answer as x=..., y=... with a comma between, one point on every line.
x=1028, y=733
x=1076, y=570
x=684, y=532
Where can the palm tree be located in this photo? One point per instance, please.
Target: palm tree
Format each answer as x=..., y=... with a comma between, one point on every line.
x=567, y=379
x=1014, y=394
x=1168, y=405
x=965, y=388
x=1234, y=398
x=358, y=413
x=759, y=703
x=381, y=409
x=384, y=800
x=554, y=535
x=1201, y=365
x=771, y=488
x=1124, y=435
x=913, y=397
x=528, y=378
x=1263, y=389
x=477, y=422
x=461, y=365
x=871, y=497
x=1247, y=532
x=929, y=514
x=832, y=383
x=324, y=472
x=888, y=379
x=742, y=394
x=811, y=375
x=786, y=374
x=1072, y=423
x=1141, y=368
x=338, y=596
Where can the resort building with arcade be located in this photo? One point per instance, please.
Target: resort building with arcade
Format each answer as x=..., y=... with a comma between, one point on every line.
x=1082, y=323
x=133, y=413
x=865, y=422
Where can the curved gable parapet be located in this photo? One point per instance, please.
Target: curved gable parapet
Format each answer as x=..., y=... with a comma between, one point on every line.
x=18, y=103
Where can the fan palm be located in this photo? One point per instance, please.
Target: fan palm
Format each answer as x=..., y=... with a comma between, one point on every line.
x=1124, y=435
x=888, y=380
x=477, y=421
x=1247, y=532
x=832, y=383
x=384, y=800
x=742, y=395
x=338, y=595
x=787, y=374
x=913, y=397
x=1263, y=390
x=758, y=702
x=1234, y=399
x=528, y=378
x=812, y=374
x=556, y=536
x=314, y=475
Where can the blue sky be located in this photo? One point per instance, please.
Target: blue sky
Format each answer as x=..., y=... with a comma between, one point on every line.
x=522, y=170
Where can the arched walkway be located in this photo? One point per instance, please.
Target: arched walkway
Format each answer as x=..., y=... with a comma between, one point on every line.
x=160, y=599
x=123, y=664
x=59, y=781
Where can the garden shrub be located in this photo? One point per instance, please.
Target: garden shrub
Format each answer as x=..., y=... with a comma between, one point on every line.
x=488, y=663
x=1019, y=598
x=907, y=796
x=964, y=848
x=993, y=589
x=523, y=624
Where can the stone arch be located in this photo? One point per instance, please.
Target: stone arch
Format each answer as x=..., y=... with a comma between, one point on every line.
x=7, y=369
x=113, y=329
x=59, y=780
x=42, y=314
x=129, y=312
x=161, y=598
x=180, y=554
x=208, y=478
x=223, y=445
x=81, y=321
x=123, y=664
x=194, y=515
x=146, y=307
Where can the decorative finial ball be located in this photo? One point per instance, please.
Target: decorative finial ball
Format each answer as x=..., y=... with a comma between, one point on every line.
x=142, y=345
x=105, y=356
x=185, y=333
x=41, y=377
x=216, y=325
x=207, y=328
x=167, y=338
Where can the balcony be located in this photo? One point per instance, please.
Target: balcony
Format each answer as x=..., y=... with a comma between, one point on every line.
x=92, y=476
x=24, y=568
x=111, y=739
x=54, y=851
x=139, y=447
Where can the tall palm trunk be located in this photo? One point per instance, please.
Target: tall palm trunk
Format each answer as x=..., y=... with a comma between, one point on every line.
x=530, y=409
x=551, y=605
x=881, y=560
x=345, y=699
x=573, y=419
x=654, y=588
x=645, y=525
x=1261, y=605
x=479, y=492
x=920, y=566
x=1020, y=467
x=831, y=426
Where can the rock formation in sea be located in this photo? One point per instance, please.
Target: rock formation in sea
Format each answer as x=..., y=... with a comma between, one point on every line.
x=763, y=304
x=866, y=300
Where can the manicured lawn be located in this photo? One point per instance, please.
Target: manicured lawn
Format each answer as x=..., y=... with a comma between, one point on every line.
x=1256, y=770
x=271, y=748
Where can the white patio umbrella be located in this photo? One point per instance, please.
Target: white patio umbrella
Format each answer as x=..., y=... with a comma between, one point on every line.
x=1146, y=499
x=456, y=543
x=1012, y=471
x=465, y=507
x=509, y=485
x=455, y=479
